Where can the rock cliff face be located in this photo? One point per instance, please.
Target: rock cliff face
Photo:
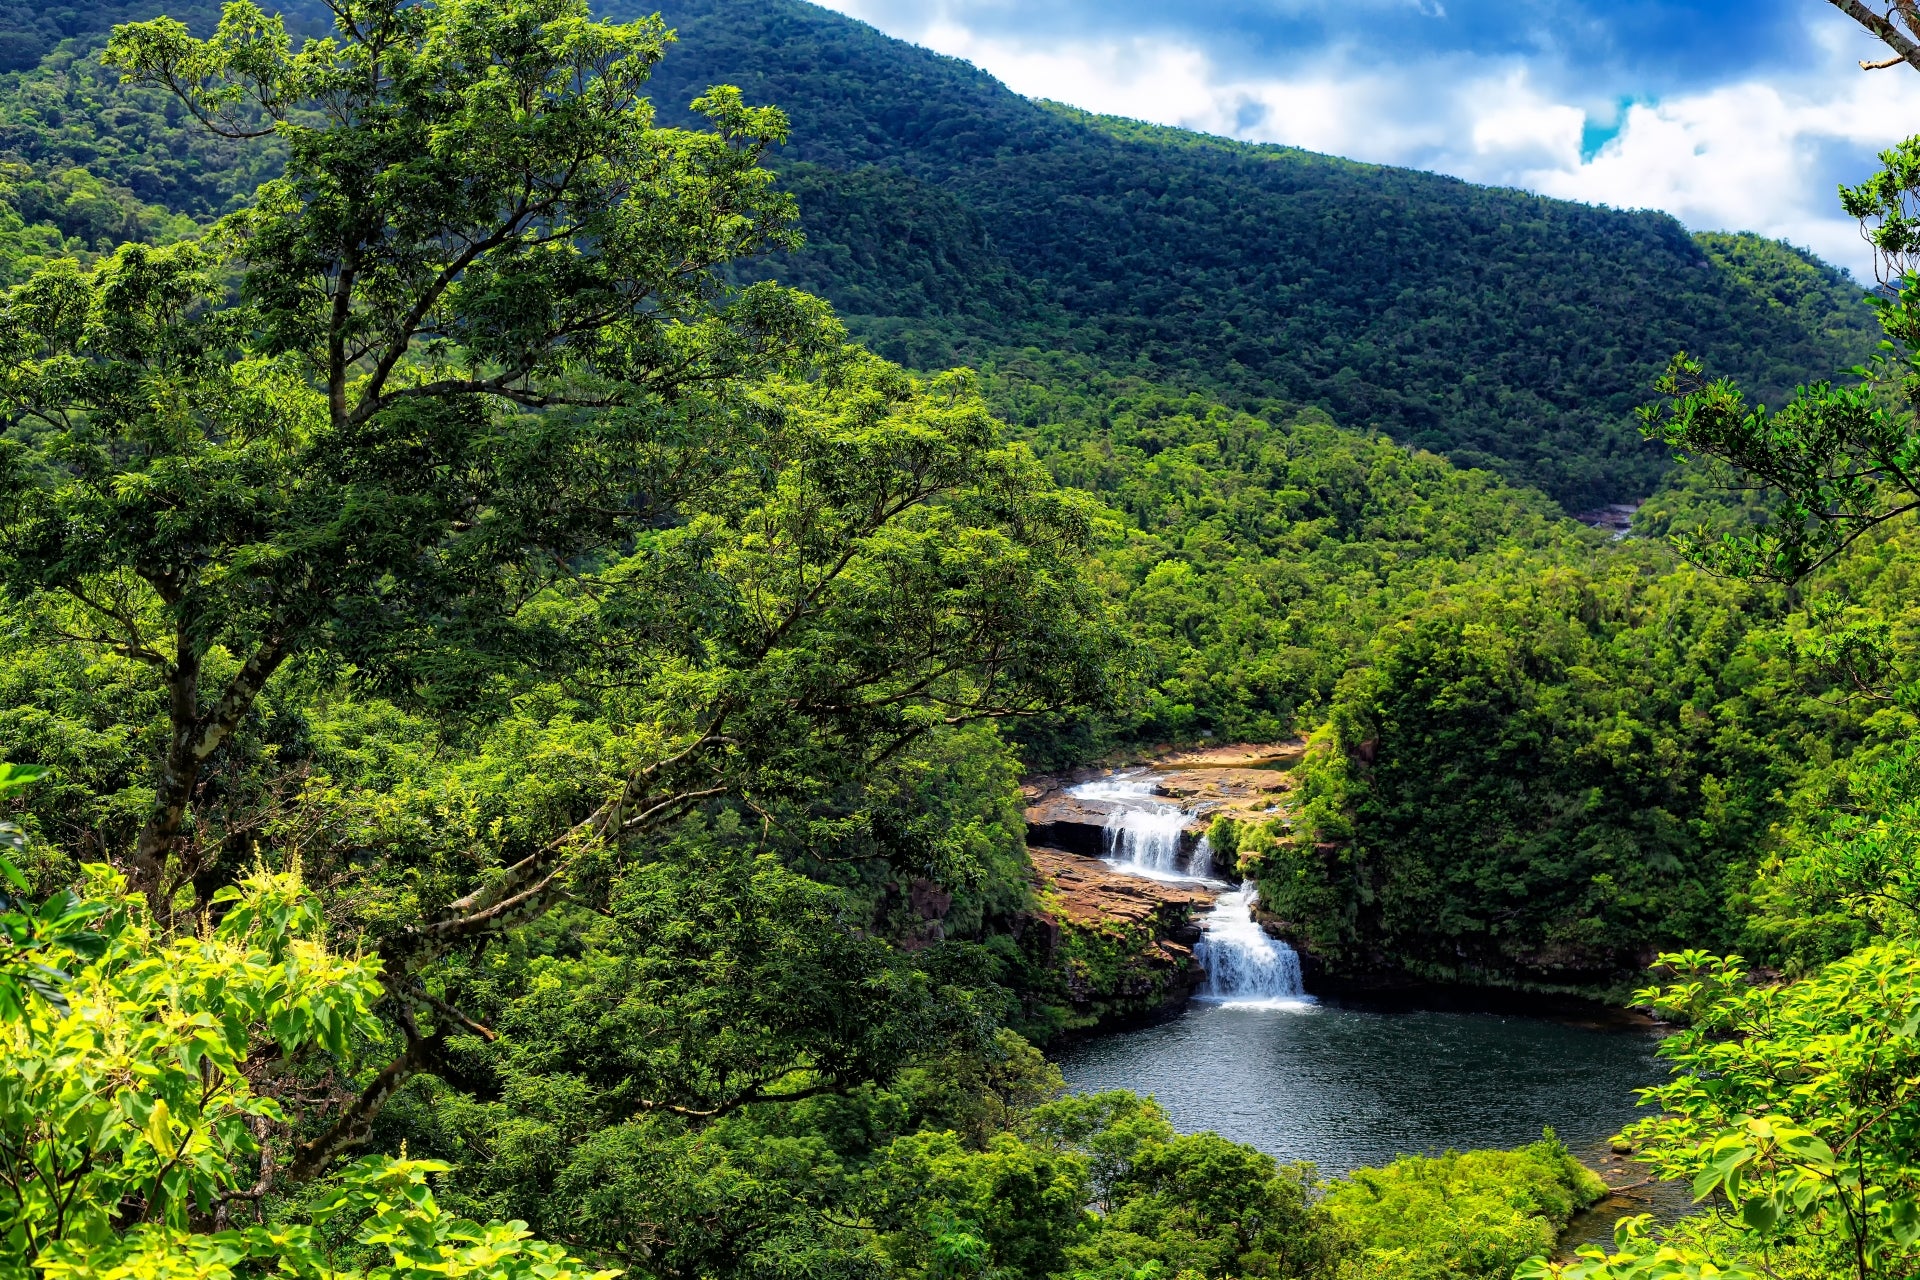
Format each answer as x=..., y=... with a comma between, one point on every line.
x=1119, y=947
x=1056, y=820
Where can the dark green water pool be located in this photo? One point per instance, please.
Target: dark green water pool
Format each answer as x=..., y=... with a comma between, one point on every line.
x=1345, y=1085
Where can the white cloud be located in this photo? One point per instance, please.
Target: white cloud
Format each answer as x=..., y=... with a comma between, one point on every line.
x=1750, y=155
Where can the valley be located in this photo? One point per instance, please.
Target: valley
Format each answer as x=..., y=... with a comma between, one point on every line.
x=705, y=646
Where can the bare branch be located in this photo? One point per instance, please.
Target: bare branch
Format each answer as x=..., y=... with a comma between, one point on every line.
x=1889, y=35
x=446, y=1010
x=355, y=1124
x=747, y=1099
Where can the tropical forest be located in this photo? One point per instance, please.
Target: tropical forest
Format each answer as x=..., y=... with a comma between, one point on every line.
x=703, y=645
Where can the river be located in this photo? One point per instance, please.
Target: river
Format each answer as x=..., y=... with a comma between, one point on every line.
x=1257, y=1059
x=1345, y=1085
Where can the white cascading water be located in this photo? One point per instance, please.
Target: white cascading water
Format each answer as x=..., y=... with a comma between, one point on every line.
x=1143, y=831
x=1245, y=966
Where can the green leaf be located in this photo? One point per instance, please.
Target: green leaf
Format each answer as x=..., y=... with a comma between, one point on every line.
x=1760, y=1213
x=158, y=1134
x=15, y=776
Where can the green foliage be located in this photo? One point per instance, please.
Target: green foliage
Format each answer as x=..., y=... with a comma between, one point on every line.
x=1185, y=1203
x=129, y=1100
x=1639, y=1254
x=1844, y=871
x=1795, y=1106
x=319, y=444
x=488, y=553
x=37, y=940
x=1257, y=554
x=389, y=1202
x=1794, y=1113
x=90, y=162
x=1011, y=1209
x=917, y=210
x=1471, y=1216
x=459, y=527
x=1534, y=777
x=134, y=1112
x=1517, y=336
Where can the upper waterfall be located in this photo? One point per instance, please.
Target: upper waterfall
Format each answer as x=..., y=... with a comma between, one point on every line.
x=1144, y=832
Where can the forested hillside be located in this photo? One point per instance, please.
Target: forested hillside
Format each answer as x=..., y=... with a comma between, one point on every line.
x=951, y=220
x=517, y=668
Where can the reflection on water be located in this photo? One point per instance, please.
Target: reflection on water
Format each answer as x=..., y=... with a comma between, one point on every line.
x=1348, y=1086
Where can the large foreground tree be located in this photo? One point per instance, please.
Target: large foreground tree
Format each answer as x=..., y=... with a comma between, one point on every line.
x=462, y=416
x=477, y=212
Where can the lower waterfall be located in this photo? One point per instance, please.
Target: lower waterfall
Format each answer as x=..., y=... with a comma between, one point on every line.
x=1244, y=965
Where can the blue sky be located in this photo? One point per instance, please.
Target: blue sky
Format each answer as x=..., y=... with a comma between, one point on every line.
x=1731, y=116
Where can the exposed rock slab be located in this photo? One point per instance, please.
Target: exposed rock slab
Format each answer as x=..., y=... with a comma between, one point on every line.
x=1061, y=821
x=1086, y=891
x=1212, y=791
x=1236, y=755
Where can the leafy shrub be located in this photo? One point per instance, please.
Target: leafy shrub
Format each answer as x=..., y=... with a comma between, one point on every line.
x=1460, y=1216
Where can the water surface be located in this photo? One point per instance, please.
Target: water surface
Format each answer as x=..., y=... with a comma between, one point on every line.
x=1345, y=1086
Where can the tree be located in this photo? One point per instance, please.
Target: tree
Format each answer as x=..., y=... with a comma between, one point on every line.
x=1794, y=1111
x=1793, y=1105
x=1838, y=460
x=34, y=942
x=477, y=211
x=483, y=424
x=1888, y=26
x=879, y=570
x=135, y=1099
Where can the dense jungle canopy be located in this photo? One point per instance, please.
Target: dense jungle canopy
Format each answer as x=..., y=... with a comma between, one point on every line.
x=538, y=544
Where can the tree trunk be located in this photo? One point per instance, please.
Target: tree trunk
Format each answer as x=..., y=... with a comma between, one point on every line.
x=193, y=737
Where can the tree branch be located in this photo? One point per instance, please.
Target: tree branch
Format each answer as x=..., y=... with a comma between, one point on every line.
x=747, y=1099
x=355, y=1124
x=446, y=1010
x=1889, y=35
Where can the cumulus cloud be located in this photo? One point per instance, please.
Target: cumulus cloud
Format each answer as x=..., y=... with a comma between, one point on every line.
x=1751, y=142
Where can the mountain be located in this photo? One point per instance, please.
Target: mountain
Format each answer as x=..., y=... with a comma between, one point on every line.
x=951, y=220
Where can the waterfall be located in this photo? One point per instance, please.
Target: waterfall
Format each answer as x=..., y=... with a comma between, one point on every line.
x=1143, y=832
x=1245, y=966
x=1147, y=840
